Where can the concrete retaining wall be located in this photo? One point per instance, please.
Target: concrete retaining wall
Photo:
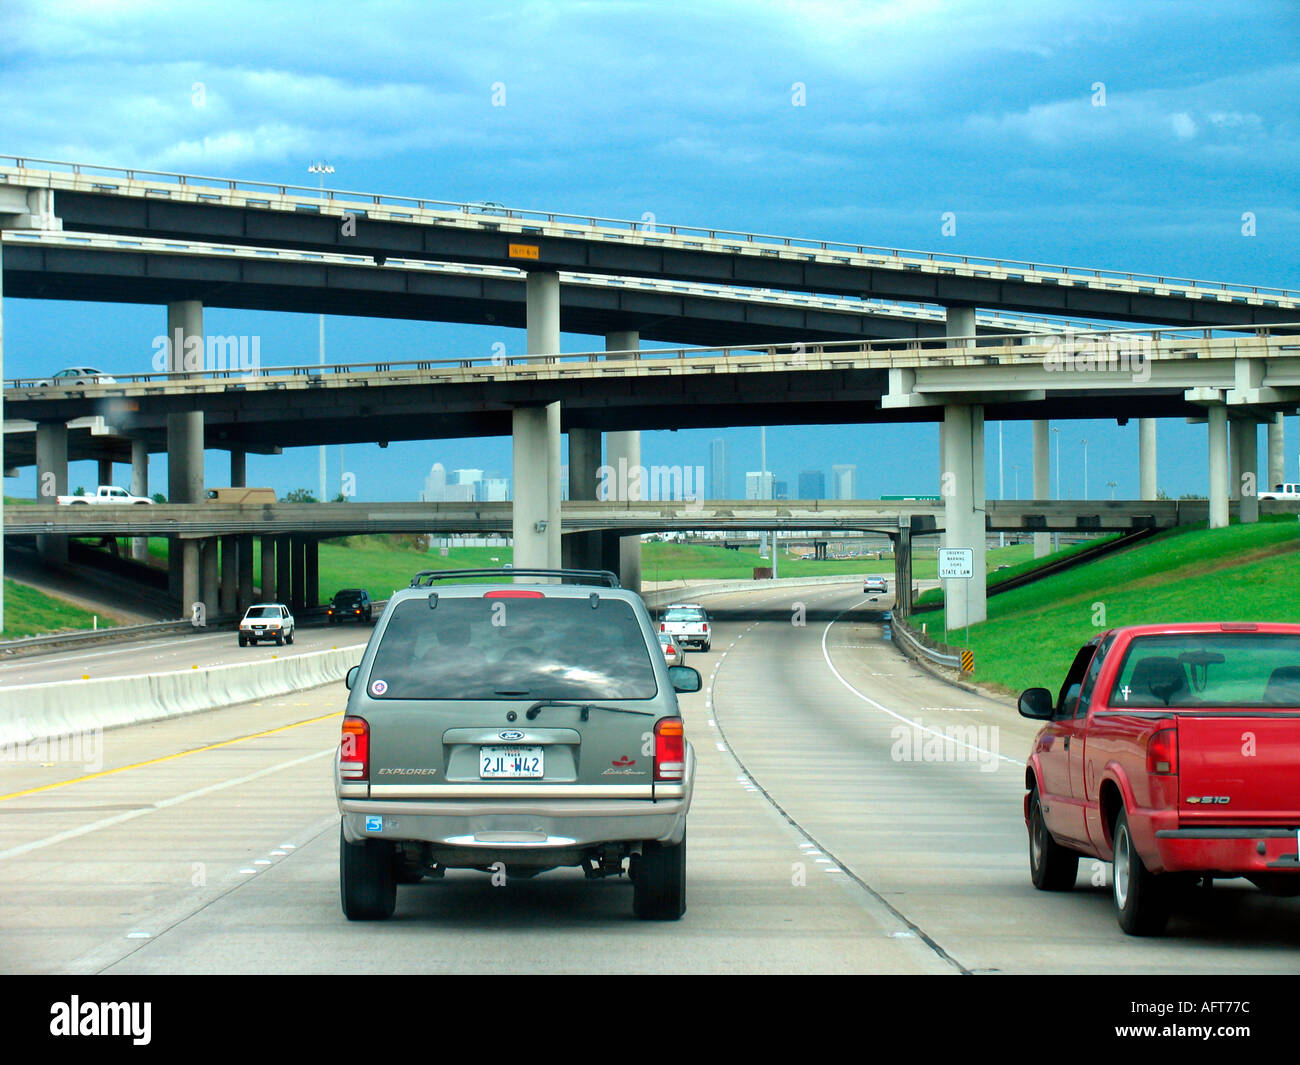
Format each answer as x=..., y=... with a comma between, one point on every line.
x=35, y=711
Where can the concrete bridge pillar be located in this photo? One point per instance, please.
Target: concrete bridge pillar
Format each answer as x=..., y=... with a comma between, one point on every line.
x=244, y=576
x=51, y=481
x=1042, y=481
x=210, y=588
x=229, y=596
x=1275, y=450
x=903, y=568
x=269, y=585
x=239, y=468
x=190, y=573
x=311, y=573
x=582, y=550
x=185, y=429
x=1148, y=487
x=1218, y=462
x=283, y=571
x=529, y=513
x=105, y=471
x=139, y=487
x=961, y=323
x=626, y=445
x=1245, y=457
x=964, y=512
x=298, y=572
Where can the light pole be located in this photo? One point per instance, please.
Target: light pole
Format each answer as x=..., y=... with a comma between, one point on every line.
x=322, y=167
x=1056, y=436
x=1085, y=467
x=1002, y=491
x=1015, y=467
x=1111, y=485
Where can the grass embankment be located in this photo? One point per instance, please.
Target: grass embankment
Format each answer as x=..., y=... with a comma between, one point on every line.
x=32, y=613
x=1241, y=573
x=1018, y=559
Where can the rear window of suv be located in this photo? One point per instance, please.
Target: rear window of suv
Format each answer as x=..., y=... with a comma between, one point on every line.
x=513, y=648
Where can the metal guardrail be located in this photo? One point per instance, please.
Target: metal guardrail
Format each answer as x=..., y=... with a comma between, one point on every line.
x=650, y=232
x=113, y=632
x=952, y=661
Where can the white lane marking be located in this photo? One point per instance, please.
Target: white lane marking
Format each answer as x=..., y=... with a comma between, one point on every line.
x=108, y=822
x=892, y=713
x=139, y=935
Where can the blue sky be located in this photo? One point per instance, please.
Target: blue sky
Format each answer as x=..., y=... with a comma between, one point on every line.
x=861, y=122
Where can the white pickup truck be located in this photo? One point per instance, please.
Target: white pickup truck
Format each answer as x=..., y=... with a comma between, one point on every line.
x=106, y=493
x=688, y=624
x=1282, y=491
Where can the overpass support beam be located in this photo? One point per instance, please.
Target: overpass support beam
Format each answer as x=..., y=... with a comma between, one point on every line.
x=311, y=573
x=961, y=323
x=229, y=596
x=1276, y=453
x=239, y=468
x=626, y=445
x=244, y=589
x=283, y=570
x=530, y=513
x=903, y=568
x=1147, y=482
x=190, y=573
x=542, y=307
x=1042, y=480
x=298, y=571
x=184, y=430
x=1217, y=416
x=268, y=588
x=964, y=518
x=1245, y=457
x=139, y=487
x=51, y=481
x=210, y=589
x=582, y=550
x=105, y=471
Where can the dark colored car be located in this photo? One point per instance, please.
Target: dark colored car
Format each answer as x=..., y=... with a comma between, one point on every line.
x=351, y=604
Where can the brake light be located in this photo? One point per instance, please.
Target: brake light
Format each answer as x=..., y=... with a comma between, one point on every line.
x=670, y=749
x=510, y=594
x=1162, y=753
x=663, y=627
x=354, y=749
x=706, y=626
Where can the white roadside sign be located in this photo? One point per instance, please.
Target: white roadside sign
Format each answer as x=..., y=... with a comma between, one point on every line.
x=956, y=563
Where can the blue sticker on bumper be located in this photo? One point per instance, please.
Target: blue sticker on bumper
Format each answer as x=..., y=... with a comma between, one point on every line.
x=374, y=824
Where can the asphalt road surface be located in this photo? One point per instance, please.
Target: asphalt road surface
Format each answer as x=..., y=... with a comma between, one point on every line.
x=831, y=832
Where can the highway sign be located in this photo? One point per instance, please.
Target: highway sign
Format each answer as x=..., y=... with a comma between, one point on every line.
x=956, y=563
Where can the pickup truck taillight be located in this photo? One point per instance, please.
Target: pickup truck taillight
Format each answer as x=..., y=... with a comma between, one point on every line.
x=706, y=626
x=663, y=627
x=354, y=749
x=1162, y=753
x=670, y=749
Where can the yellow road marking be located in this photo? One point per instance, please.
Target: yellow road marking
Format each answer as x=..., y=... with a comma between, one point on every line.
x=168, y=757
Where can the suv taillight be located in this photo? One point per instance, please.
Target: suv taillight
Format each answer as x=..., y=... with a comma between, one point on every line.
x=663, y=627
x=1162, y=753
x=670, y=749
x=354, y=749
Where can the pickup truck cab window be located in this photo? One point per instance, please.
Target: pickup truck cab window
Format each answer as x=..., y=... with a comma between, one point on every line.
x=1090, y=679
x=1068, y=697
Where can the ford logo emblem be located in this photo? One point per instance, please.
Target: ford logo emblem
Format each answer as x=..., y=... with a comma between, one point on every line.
x=511, y=734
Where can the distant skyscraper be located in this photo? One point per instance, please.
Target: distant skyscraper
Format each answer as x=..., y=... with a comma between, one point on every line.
x=780, y=489
x=812, y=484
x=435, y=485
x=718, y=470
x=842, y=481
x=758, y=484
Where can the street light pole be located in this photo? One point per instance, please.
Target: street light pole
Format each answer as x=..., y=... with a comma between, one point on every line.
x=322, y=167
x=1085, y=467
x=1002, y=491
x=1112, y=485
x=1056, y=436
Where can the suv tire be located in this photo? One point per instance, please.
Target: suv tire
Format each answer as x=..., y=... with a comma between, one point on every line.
x=1051, y=866
x=659, y=886
x=367, y=887
x=243, y=640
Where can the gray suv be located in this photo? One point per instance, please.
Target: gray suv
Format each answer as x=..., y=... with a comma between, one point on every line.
x=514, y=721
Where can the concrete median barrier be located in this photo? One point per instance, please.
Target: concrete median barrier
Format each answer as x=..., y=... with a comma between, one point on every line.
x=38, y=711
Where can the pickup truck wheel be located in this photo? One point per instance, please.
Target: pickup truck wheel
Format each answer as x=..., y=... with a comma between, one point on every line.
x=243, y=641
x=707, y=647
x=1051, y=866
x=289, y=638
x=367, y=886
x=1142, y=899
x=659, y=888
x=279, y=639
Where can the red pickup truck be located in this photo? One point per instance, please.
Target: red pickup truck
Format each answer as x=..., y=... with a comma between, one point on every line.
x=1173, y=751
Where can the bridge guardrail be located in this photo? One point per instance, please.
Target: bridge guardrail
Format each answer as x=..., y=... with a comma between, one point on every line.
x=951, y=659
x=650, y=232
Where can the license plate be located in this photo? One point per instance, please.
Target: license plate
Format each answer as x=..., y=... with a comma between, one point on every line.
x=510, y=763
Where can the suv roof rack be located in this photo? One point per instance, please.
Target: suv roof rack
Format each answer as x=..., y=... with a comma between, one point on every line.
x=426, y=578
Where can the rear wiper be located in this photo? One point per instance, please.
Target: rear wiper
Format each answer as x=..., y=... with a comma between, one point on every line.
x=586, y=708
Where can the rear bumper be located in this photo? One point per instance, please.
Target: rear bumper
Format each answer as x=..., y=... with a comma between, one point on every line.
x=498, y=823
x=1230, y=850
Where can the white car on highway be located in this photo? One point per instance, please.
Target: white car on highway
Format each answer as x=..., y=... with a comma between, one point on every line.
x=266, y=621
x=77, y=377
